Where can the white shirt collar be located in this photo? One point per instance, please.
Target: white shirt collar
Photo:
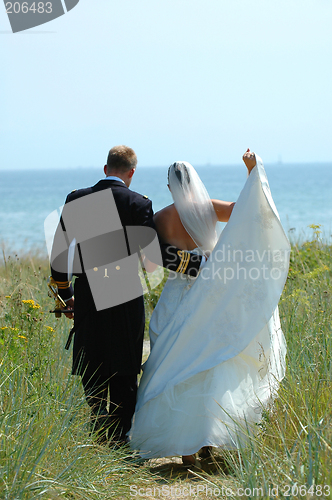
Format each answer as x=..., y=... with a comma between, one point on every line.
x=113, y=178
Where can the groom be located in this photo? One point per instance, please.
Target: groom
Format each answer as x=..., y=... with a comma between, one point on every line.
x=108, y=340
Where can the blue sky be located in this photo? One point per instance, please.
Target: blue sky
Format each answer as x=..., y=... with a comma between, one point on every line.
x=195, y=80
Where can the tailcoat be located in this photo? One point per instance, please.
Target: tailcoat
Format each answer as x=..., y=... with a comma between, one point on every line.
x=109, y=340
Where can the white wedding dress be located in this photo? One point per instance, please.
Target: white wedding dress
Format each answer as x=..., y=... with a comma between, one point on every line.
x=218, y=352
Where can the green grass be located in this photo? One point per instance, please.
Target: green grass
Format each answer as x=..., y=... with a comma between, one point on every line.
x=45, y=448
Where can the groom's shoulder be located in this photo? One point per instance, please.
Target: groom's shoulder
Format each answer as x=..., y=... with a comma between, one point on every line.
x=142, y=199
x=78, y=193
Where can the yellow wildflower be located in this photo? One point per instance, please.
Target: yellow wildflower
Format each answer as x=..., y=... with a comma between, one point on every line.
x=4, y=327
x=8, y=296
x=50, y=329
x=36, y=306
x=29, y=302
x=22, y=337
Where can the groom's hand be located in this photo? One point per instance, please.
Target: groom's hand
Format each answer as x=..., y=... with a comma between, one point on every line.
x=249, y=159
x=70, y=305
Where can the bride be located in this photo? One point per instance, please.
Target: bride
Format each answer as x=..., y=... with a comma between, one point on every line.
x=217, y=349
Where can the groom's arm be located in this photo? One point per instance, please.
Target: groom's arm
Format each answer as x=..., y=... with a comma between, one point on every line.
x=59, y=262
x=180, y=261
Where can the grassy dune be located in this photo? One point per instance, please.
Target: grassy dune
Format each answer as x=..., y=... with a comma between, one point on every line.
x=45, y=449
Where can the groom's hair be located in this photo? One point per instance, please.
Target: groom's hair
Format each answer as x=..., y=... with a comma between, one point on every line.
x=121, y=159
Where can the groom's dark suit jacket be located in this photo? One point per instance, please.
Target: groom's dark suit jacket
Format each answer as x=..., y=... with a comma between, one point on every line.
x=110, y=340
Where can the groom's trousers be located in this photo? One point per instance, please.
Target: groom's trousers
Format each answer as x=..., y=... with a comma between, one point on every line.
x=121, y=391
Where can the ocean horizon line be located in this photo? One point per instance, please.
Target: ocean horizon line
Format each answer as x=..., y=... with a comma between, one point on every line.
x=201, y=166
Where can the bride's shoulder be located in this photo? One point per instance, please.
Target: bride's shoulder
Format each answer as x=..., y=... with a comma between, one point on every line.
x=165, y=220
x=165, y=213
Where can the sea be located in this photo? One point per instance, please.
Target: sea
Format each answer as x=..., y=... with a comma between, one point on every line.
x=28, y=198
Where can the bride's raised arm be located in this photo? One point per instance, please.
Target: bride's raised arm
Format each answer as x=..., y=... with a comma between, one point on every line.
x=224, y=209
x=249, y=159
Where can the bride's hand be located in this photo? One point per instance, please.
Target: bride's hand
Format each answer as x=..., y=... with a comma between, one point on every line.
x=249, y=159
